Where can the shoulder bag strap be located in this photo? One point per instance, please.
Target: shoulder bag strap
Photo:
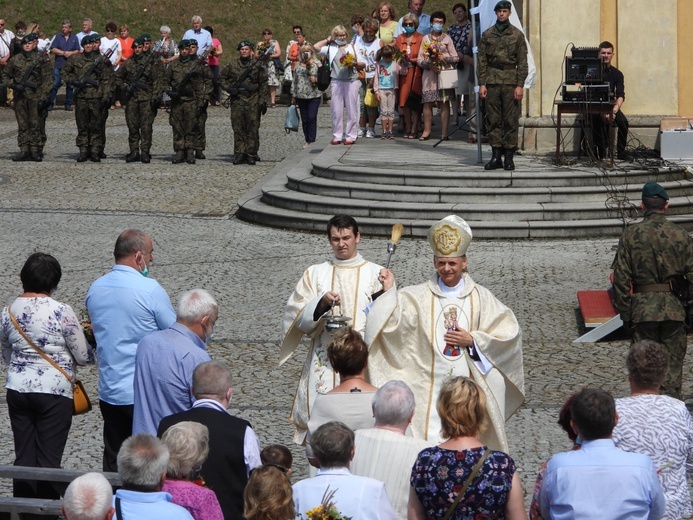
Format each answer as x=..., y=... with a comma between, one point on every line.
x=467, y=482
x=41, y=352
x=118, y=510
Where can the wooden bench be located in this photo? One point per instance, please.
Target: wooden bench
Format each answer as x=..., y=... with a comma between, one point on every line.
x=41, y=506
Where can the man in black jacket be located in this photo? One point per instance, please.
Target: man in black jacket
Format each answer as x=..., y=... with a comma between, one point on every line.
x=234, y=449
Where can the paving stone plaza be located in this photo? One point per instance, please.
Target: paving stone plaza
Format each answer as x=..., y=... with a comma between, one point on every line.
x=75, y=212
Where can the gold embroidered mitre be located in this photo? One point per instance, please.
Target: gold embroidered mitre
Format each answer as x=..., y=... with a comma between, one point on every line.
x=450, y=237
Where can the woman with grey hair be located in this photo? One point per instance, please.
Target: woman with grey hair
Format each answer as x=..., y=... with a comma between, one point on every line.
x=168, y=46
x=188, y=446
x=657, y=425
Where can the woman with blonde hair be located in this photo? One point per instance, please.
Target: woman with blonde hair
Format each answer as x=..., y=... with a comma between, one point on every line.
x=188, y=447
x=305, y=93
x=268, y=495
x=440, y=473
x=387, y=17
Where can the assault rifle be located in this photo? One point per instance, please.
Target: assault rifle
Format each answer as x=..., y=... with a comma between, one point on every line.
x=240, y=84
x=86, y=78
x=137, y=83
x=192, y=69
x=25, y=82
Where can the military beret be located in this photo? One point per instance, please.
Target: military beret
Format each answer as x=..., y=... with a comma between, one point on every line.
x=145, y=37
x=503, y=4
x=91, y=38
x=137, y=42
x=652, y=189
x=245, y=43
x=183, y=44
x=29, y=38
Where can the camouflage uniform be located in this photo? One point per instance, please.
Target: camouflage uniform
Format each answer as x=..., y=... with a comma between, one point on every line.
x=184, y=104
x=90, y=100
x=141, y=101
x=30, y=115
x=245, y=105
x=201, y=112
x=652, y=252
x=502, y=61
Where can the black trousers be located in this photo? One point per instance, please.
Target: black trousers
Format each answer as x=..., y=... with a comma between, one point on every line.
x=40, y=426
x=117, y=426
x=600, y=132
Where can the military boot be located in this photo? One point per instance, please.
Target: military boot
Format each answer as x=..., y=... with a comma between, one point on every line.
x=179, y=157
x=102, y=154
x=239, y=158
x=251, y=160
x=199, y=154
x=190, y=156
x=94, y=156
x=35, y=155
x=23, y=156
x=83, y=155
x=508, y=163
x=495, y=161
x=145, y=157
x=133, y=156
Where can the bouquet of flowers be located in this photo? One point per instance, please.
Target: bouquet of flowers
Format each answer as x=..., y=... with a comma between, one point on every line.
x=347, y=61
x=400, y=57
x=327, y=510
x=85, y=322
x=431, y=52
x=261, y=49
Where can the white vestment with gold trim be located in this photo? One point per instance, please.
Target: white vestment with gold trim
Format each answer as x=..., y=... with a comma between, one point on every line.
x=405, y=331
x=355, y=281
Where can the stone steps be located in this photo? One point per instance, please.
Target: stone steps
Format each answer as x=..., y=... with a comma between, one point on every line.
x=417, y=185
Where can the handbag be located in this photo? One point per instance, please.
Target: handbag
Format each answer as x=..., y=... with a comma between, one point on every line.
x=447, y=78
x=278, y=65
x=291, y=120
x=324, y=73
x=80, y=400
x=467, y=482
x=370, y=99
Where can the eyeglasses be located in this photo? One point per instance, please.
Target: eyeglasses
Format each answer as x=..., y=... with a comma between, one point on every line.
x=265, y=33
x=407, y=25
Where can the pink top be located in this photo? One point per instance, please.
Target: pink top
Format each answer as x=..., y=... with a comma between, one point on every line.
x=213, y=59
x=200, y=501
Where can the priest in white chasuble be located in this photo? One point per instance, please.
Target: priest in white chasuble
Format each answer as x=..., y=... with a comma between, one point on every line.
x=343, y=285
x=447, y=326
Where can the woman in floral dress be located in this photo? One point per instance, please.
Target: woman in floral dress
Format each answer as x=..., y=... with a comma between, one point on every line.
x=440, y=472
x=272, y=49
x=39, y=397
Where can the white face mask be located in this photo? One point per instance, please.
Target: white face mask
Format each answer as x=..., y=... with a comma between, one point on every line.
x=305, y=56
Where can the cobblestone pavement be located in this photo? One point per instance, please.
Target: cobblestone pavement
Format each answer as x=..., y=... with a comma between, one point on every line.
x=75, y=211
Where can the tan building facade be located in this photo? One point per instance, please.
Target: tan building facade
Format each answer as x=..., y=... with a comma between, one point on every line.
x=653, y=43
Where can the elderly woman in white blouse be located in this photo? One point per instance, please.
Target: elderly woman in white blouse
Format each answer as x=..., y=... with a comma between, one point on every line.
x=39, y=396
x=345, y=84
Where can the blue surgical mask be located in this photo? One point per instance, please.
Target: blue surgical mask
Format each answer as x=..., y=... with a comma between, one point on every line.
x=409, y=30
x=145, y=272
x=340, y=42
x=437, y=27
x=355, y=29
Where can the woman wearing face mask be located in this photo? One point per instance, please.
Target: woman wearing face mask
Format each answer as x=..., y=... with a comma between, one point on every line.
x=345, y=84
x=305, y=93
x=409, y=44
x=437, y=52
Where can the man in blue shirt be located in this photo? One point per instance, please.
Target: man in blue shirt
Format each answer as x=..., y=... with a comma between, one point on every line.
x=200, y=35
x=166, y=359
x=142, y=465
x=64, y=45
x=599, y=480
x=124, y=306
x=416, y=8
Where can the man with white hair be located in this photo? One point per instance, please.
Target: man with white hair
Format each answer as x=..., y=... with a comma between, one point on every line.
x=200, y=35
x=142, y=462
x=447, y=326
x=166, y=359
x=384, y=452
x=88, y=497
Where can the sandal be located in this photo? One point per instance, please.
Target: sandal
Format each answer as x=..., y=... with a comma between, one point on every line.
x=383, y=137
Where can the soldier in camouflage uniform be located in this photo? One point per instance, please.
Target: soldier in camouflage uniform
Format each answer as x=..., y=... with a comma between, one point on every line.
x=30, y=75
x=246, y=82
x=655, y=260
x=502, y=72
x=93, y=93
x=202, y=104
x=185, y=77
x=141, y=79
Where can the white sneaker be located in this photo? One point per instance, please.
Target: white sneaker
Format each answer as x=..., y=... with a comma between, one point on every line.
x=361, y=132
x=370, y=133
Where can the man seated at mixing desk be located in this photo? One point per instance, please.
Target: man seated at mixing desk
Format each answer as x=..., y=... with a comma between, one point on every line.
x=599, y=122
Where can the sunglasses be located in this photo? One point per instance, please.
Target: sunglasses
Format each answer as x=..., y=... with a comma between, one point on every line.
x=407, y=25
x=266, y=33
